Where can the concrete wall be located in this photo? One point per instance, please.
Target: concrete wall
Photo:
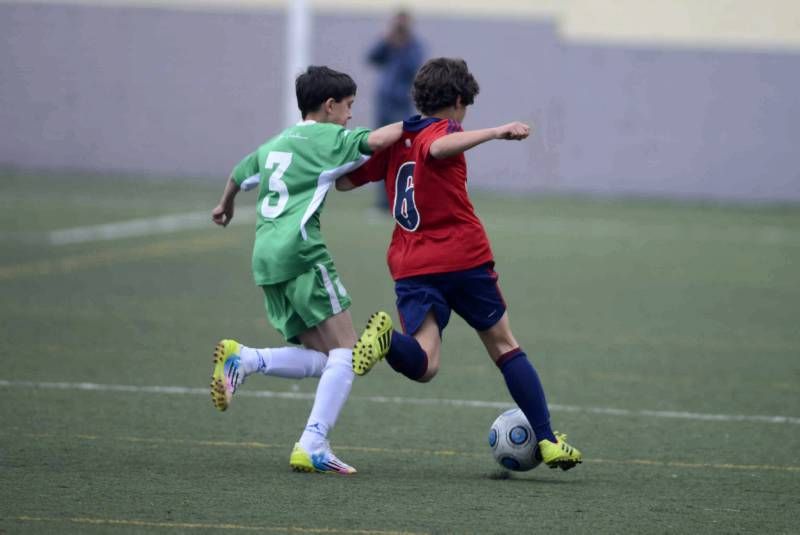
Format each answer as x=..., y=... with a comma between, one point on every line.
x=173, y=92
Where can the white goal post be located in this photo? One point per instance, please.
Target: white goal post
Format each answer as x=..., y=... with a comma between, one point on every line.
x=298, y=52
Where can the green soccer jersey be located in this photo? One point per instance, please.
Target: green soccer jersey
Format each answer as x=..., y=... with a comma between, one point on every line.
x=294, y=170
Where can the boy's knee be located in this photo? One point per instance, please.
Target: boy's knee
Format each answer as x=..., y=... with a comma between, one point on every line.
x=430, y=373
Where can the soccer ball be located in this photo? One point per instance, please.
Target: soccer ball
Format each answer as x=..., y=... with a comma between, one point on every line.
x=513, y=442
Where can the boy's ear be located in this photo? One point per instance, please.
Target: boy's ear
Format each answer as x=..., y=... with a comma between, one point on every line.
x=328, y=105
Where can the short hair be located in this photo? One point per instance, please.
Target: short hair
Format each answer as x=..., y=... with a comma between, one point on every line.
x=318, y=84
x=440, y=81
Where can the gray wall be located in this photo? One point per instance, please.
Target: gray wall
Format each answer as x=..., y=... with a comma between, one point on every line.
x=170, y=92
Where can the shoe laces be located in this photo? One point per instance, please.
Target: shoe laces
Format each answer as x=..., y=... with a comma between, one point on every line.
x=562, y=442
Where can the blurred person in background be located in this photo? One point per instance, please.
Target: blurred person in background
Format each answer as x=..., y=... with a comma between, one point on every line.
x=397, y=55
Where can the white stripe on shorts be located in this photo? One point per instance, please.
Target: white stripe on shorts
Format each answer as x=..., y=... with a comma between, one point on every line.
x=335, y=305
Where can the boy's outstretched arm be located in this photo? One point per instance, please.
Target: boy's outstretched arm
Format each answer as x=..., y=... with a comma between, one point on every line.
x=384, y=136
x=343, y=183
x=459, y=142
x=223, y=212
x=378, y=139
x=374, y=170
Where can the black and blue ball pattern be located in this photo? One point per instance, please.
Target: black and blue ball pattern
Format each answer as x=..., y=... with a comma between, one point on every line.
x=519, y=436
x=510, y=463
x=513, y=442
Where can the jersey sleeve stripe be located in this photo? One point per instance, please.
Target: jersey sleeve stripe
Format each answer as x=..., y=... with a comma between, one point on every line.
x=326, y=178
x=250, y=182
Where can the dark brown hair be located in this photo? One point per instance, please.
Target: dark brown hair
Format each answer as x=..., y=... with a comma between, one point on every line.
x=440, y=81
x=320, y=83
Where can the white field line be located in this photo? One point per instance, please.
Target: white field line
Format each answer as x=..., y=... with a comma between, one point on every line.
x=147, y=226
x=182, y=390
x=534, y=225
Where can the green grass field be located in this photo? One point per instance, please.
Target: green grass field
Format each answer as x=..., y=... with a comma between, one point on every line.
x=667, y=336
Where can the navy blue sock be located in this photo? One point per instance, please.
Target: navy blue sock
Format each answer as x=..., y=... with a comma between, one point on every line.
x=525, y=387
x=406, y=356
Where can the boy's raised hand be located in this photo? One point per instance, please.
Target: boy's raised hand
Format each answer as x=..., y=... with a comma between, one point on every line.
x=515, y=130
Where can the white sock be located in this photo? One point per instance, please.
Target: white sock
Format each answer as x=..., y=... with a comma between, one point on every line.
x=288, y=362
x=332, y=391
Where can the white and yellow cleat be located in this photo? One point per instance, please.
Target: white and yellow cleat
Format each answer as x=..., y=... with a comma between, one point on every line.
x=560, y=454
x=373, y=344
x=227, y=375
x=322, y=461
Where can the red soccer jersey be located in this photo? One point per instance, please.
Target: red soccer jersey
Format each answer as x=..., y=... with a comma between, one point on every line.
x=436, y=229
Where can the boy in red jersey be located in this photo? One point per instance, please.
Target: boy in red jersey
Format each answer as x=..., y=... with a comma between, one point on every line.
x=440, y=256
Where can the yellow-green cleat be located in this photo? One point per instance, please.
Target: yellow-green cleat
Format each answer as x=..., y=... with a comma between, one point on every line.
x=323, y=461
x=227, y=375
x=373, y=344
x=559, y=454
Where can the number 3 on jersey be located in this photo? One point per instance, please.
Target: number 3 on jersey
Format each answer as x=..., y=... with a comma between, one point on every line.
x=283, y=160
x=405, y=209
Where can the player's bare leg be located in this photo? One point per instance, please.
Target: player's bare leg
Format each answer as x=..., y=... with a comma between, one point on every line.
x=499, y=339
x=416, y=357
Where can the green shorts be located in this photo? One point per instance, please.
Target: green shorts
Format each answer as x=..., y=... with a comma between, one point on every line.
x=296, y=305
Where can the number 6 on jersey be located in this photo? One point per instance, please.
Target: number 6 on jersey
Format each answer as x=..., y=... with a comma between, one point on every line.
x=405, y=208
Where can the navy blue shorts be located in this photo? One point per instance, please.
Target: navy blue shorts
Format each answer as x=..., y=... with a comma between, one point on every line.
x=472, y=293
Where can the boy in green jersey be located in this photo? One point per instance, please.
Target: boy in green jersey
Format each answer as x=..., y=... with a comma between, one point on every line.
x=304, y=298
